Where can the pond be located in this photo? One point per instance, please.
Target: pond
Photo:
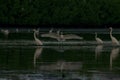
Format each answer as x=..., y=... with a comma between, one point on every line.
x=22, y=59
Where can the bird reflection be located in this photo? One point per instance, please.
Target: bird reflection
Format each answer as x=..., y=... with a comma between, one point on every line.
x=113, y=55
x=60, y=64
x=98, y=50
x=37, y=53
x=64, y=48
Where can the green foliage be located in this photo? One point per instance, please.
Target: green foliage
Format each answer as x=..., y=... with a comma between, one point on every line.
x=59, y=11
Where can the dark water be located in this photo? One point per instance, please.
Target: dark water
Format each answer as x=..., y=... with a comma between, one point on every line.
x=21, y=59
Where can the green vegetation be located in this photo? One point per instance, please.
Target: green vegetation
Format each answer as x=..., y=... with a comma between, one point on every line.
x=67, y=12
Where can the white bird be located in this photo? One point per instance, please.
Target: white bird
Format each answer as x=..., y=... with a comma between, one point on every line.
x=51, y=30
x=51, y=34
x=61, y=37
x=17, y=30
x=69, y=36
x=37, y=31
x=114, y=40
x=38, y=42
x=5, y=32
x=99, y=41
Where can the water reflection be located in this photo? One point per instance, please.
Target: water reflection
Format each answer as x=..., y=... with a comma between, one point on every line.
x=61, y=48
x=59, y=66
x=113, y=55
x=98, y=51
x=37, y=54
x=72, y=63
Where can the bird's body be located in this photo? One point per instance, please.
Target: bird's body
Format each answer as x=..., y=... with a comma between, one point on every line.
x=38, y=42
x=99, y=41
x=114, y=40
x=69, y=36
x=17, y=30
x=5, y=32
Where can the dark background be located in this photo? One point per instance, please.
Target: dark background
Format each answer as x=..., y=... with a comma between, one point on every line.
x=60, y=13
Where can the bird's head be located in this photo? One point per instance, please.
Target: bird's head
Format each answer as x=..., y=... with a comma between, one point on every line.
x=110, y=28
x=36, y=31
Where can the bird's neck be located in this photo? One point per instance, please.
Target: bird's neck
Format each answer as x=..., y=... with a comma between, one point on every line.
x=50, y=31
x=58, y=32
x=35, y=35
x=96, y=35
x=111, y=33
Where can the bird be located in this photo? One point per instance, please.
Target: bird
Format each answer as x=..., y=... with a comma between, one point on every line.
x=61, y=37
x=64, y=37
x=38, y=42
x=51, y=30
x=5, y=32
x=51, y=34
x=114, y=40
x=17, y=30
x=99, y=41
x=37, y=31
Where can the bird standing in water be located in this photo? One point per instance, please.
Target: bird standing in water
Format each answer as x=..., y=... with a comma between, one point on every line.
x=38, y=42
x=99, y=41
x=114, y=40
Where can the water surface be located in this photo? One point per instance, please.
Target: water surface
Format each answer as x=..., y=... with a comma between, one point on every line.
x=21, y=59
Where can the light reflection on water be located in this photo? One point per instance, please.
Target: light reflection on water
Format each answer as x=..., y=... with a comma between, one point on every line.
x=21, y=59
x=87, y=62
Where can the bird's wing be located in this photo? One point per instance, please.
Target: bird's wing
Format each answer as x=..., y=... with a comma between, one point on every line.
x=45, y=35
x=72, y=36
x=50, y=35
